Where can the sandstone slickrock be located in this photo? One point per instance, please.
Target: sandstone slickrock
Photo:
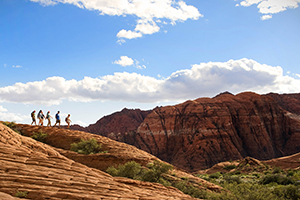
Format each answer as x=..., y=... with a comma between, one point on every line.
x=198, y=134
x=117, y=153
x=28, y=165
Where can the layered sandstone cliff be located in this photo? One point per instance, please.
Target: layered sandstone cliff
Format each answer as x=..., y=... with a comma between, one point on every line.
x=198, y=134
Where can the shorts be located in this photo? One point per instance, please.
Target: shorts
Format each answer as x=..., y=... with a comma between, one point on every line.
x=58, y=121
x=33, y=119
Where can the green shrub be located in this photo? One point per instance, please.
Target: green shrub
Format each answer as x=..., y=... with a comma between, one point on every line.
x=130, y=170
x=86, y=146
x=276, y=178
x=189, y=189
x=155, y=171
x=288, y=192
x=39, y=136
x=233, y=179
x=215, y=175
x=21, y=194
x=229, y=167
x=13, y=126
x=277, y=170
x=134, y=170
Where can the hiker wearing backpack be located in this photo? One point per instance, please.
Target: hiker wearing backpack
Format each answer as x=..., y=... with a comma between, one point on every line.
x=41, y=116
x=68, y=120
x=57, y=117
x=48, y=117
x=33, y=117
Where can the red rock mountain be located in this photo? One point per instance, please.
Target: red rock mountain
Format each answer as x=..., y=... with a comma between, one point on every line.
x=198, y=134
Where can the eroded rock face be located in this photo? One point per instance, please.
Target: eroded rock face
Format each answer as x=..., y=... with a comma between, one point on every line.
x=198, y=134
x=289, y=102
x=117, y=125
x=40, y=170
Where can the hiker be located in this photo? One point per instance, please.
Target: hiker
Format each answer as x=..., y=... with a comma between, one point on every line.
x=57, y=117
x=41, y=116
x=33, y=117
x=48, y=116
x=68, y=120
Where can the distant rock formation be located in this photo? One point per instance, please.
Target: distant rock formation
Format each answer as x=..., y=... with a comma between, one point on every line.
x=200, y=133
x=117, y=124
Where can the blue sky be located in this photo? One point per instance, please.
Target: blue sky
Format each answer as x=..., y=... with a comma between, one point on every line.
x=91, y=58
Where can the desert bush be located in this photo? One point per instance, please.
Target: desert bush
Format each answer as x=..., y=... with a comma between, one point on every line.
x=86, y=146
x=39, y=136
x=277, y=170
x=276, y=178
x=155, y=171
x=133, y=170
x=21, y=194
x=129, y=170
x=233, y=179
x=287, y=192
x=189, y=189
x=13, y=126
x=215, y=175
x=229, y=167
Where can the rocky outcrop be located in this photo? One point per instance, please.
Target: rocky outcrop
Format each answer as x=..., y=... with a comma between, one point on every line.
x=198, y=134
x=43, y=173
x=118, y=124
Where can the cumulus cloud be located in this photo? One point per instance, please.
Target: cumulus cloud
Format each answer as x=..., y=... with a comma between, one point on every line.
x=265, y=17
x=7, y=116
x=146, y=27
x=204, y=79
x=124, y=61
x=147, y=12
x=128, y=34
x=269, y=7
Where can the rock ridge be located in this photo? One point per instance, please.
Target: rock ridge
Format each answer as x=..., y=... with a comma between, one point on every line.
x=199, y=133
x=40, y=170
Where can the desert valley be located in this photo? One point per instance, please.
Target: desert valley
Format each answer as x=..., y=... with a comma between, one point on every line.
x=198, y=149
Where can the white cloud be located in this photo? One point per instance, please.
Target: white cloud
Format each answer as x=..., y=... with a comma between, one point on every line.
x=3, y=109
x=128, y=34
x=146, y=27
x=205, y=79
x=147, y=11
x=121, y=41
x=6, y=116
x=124, y=61
x=137, y=65
x=17, y=66
x=269, y=7
x=265, y=17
